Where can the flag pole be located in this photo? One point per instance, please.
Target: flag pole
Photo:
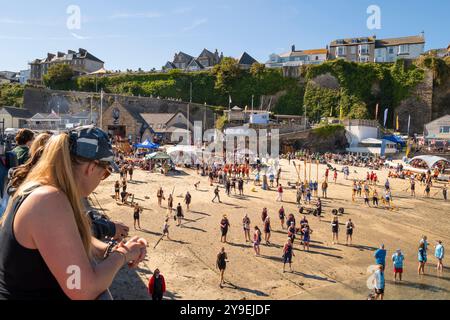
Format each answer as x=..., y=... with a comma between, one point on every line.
x=101, y=109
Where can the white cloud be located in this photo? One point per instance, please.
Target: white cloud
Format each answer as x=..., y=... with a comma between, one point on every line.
x=195, y=24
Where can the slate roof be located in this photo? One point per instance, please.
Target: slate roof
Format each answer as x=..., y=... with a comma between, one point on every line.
x=195, y=62
x=182, y=57
x=246, y=59
x=18, y=112
x=349, y=41
x=399, y=41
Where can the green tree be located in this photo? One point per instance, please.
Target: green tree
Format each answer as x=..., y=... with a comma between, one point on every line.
x=59, y=76
x=226, y=73
x=11, y=95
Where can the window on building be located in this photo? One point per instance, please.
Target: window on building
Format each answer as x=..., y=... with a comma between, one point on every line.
x=444, y=129
x=391, y=50
x=402, y=49
x=364, y=49
x=340, y=51
x=353, y=50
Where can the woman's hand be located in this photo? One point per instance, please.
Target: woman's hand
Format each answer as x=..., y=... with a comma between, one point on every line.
x=135, y=251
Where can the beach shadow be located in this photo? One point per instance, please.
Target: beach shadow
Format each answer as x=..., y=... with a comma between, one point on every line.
x=200, y=213
x=179, y=241
x=246, y=290
x=136, y=182
x=362, y=247
x=158, y=234
x=323, y=247
x=279, y=259
x=168, y=295
x=240, y=245
x=312, y=276
x=420, y=286
x=193, y=228
x=325, y=254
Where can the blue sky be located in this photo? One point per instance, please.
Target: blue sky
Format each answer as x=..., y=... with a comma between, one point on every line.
x=138, y=33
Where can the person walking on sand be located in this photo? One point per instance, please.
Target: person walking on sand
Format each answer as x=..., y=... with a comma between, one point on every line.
x=257, y=238
x=280, y=193
x=170, y=203
x=422, y=257
x=187, y=200
x=306, y=231
x=180, y=214
x=267, y=230
x=246, y=226
x=224, y=225
x=291, y=232
x=117, y=191
x=398, y=259
x=216, y=194
x=439, y=254
x=241, y=186
x=324, y=189
x=282, y=216
x=166, y=228
x=335, y=230
x=288, y=252
x=380, y=256
x=375, y=198
x=350, y=226
x=379, y=283
x=160, y=196
x=335, y=175
x=130, y=172
x=444, y=192
x=221, y=264
x=413, y=187
x=137, y=216
x=157, y=286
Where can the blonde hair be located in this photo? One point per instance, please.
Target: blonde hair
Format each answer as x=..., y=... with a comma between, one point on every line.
x=40, y=141
x=56, y=168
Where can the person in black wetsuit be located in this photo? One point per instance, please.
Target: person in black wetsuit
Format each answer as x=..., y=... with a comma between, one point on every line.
x=224, y=225
x=221, y=264
x=137, y=216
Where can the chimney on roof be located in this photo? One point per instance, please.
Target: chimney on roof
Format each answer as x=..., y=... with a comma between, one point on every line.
x=60, y=54
x=375, y=37
x=50, y=56
x=293, y=48
x=82, y=51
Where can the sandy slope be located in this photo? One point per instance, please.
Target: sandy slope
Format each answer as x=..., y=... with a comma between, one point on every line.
x=327, y=272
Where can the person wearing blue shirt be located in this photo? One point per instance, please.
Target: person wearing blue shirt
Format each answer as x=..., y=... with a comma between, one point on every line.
x=380, y=256
x=379, y=283
x=439, y=254
x=397, y=259
x=422, y=257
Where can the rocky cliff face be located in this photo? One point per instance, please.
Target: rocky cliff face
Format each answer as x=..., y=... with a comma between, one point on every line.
x=315, y=142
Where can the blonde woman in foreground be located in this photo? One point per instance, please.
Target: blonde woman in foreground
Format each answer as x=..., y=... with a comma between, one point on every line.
x=47, y=251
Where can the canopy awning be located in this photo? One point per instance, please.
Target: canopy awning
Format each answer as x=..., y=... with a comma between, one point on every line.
x=147, y=144
x=158, y=156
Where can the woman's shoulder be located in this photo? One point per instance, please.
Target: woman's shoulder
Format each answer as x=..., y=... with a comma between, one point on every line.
x=44, y=200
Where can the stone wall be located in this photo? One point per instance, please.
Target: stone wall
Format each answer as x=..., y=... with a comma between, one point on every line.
x=44, y=100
